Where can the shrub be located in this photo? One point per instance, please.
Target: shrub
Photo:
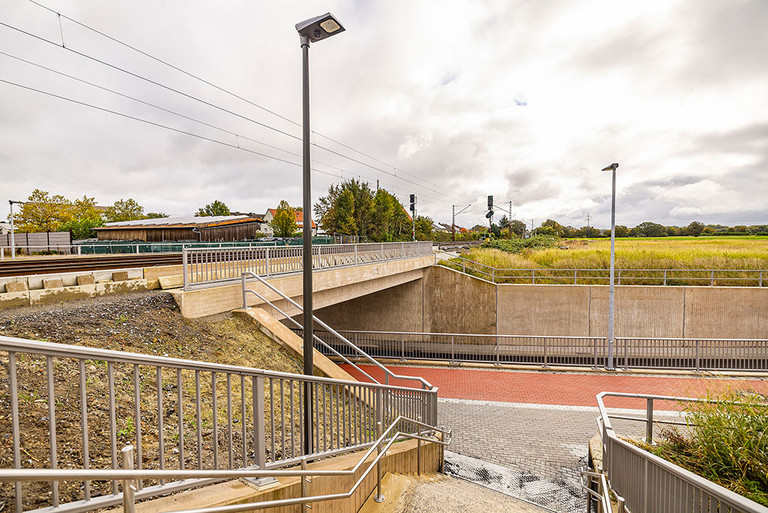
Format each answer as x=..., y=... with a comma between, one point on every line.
x=518, y=245
x=727, y=443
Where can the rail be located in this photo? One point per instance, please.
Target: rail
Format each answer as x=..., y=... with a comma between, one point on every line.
x=630, y=352
x=129, y=477
x=71, y=407
x=347, y=346
x=664, y=277
x=651, y=484
x=210, y=266
x=601, y=497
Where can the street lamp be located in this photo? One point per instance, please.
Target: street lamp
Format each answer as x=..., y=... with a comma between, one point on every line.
x=311, y=30
x=612, y=168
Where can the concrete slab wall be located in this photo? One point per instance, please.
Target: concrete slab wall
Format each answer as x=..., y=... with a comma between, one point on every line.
x=454, y=302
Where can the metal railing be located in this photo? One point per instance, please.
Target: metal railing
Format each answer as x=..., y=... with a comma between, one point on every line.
x=665, y=277
x=129, y=477
x=630, y=352
x=347, y=348
x=209, y=266
x=651, y=484
x=599, y=493
x=71, y=407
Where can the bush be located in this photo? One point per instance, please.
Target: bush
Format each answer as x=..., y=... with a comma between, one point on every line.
x=518, y=245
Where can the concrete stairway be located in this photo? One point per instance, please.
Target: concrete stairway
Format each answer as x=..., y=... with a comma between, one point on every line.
x=439, y=493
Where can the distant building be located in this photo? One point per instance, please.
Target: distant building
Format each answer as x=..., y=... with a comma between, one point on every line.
x=5, y=228
x=184, y=229
x=270, y=215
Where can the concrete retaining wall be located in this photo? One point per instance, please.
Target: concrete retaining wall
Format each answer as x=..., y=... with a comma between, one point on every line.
x=449, y=301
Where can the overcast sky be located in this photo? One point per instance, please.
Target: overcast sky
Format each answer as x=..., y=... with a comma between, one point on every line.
x=525, y=100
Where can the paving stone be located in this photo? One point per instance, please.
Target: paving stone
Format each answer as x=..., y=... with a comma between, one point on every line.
x=16, y=286
x=53, y=283
x=86, y=279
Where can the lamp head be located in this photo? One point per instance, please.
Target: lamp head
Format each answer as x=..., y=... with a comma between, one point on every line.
x=319, y=27
x=612, y=167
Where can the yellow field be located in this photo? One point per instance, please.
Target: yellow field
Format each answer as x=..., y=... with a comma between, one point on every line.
x=636, y=253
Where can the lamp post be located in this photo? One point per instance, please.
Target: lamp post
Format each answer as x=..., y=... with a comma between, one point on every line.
x=311, y=30
x=612, y=169
x=13, y=235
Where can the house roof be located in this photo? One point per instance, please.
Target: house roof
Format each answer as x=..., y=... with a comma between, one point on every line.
x=299, y=216
x=180, y=222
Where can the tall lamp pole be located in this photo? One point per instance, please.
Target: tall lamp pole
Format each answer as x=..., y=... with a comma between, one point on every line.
x=612, y=169
x=310, y=31
x=13, y=234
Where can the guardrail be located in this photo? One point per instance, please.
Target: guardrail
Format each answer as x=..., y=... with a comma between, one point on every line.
x=665, y=277
x=321, y=344
x=651, y=484
x=179, y=414
x=123, y=248
x=129, y=476
x=630, y=352
x=209, y=266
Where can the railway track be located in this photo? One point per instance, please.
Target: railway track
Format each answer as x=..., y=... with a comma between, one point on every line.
x=53, y=265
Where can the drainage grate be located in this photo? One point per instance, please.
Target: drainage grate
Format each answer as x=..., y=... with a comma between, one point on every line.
x=556, y=495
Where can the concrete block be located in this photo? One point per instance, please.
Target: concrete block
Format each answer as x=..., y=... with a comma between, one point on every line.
x=14, y=299
x=121, y=287
x=16, y=286
x=53, y=283
x=171, y=282
x=120, y=276
x=61, y=294
x=86, y=279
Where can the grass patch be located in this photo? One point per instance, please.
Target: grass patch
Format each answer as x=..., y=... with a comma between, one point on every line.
x=726, y=442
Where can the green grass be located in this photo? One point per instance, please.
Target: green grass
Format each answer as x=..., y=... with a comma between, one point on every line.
x=634, y=253
x=727, y=443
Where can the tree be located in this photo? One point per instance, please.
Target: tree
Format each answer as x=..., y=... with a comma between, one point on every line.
x=284, y=223
x=424, y=228
x=85, y=218
x=648, y=229
x=517, y=227
x=124, y=210
x=217, y=208
x=694, y=229
x=43, y=212
x=155, y=215
x=620, y=231
x=557, y=228
x=353, y=215
x=504, y=222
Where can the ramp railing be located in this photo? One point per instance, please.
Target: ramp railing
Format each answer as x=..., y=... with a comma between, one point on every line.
x=652, y=484
x=346, y=347
x=697, y=354
x=202, y=267
x=398, y=430
x=664, y=277
x=72, y=407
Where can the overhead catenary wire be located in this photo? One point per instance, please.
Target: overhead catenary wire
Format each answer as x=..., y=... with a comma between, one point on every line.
x=192, y=97
x=250, y=102
x=166, y=127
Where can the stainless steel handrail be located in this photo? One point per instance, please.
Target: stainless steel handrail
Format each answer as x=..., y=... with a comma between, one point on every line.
x=128, y=476
x=123, y=380
x=664, y=276
x=425, y=384
x=662, y=468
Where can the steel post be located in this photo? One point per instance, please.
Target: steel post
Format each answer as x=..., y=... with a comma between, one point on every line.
x=613, y=263
x=307, y=250
x=129, y=503
x=649, y=421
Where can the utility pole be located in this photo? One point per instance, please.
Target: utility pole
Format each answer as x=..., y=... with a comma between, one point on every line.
x=588, y=218
x=13, y=235
x=413, y=210
x=453, y=218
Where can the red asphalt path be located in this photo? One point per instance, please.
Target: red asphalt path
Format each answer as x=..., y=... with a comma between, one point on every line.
x=560, y=388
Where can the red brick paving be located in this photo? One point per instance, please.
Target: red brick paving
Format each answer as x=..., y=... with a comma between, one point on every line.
x=561, y=388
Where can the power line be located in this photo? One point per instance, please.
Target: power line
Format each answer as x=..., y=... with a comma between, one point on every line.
x=192, y=97
x=239, y=97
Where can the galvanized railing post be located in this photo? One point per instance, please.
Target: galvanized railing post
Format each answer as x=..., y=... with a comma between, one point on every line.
x=245, y=300
x=649, y=421
x=129, y=503
x=665, y=277
x=533, y=276
x=259, y=440
x=418, y=448
x=453, y=351
x=575, y=276
x=356, y=259
x=378, y=497
x=185, y=268
x=712, y=278
x=305, y=482
x=545, y=352
x=760, y=281
x=618, y=281
x=267, y=270
x=698, y=361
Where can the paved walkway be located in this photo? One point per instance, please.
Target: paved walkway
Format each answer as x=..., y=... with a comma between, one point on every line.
x=561, y=388
x=537, y=424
